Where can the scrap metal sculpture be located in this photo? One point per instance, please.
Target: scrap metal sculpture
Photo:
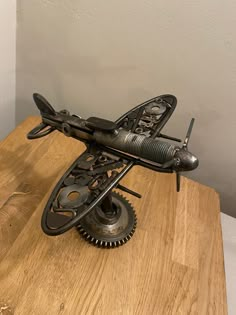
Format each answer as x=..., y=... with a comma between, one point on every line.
x=84, y=197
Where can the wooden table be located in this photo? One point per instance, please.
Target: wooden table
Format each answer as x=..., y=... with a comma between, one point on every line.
x=172, y=265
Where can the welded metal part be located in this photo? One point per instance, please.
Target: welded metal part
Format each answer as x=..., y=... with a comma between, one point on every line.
x=69, y=181
x=178, y=179
x=83, y=180
x=129, y=191
x=155, y=108
x=150, y=117
x=43, y=105
x=86, y=161
x=138, y=145
x=187, y=161
x=81, y=195
x=105, y=168
x=110, y=228
x=97, y=181
x=190, y=128
x=40, y=131
x=84, y=193
x=109, y=180
x=89, y=195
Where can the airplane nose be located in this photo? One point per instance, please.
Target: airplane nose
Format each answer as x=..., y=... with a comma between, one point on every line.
x=187, y=160
x=193, y=162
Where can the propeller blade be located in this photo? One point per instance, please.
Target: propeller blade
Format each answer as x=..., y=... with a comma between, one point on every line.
x=190, y=128
x=178, y=179
x=43, y=105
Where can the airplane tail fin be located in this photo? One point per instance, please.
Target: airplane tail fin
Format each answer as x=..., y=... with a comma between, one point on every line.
x=43, y=105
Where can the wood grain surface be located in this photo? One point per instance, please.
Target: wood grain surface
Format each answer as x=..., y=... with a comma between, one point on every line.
x=172, y=265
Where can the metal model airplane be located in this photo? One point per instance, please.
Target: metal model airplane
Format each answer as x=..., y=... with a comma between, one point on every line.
x=84, y=197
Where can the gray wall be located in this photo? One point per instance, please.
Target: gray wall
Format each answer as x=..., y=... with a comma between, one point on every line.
x=7, y=66
x=103, y=57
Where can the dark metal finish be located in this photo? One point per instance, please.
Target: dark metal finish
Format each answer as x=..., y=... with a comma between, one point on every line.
x=169, y=138
x=111, y=230
x=185, y=161
x=96, y=123
x=139, y=115
x=156, y=108
x=190, y=128
x=95, y=197
x=129, y=191
x=138, y=145
x=43, y=105
x=178, y=179
x=38, y=132
x=83, y=197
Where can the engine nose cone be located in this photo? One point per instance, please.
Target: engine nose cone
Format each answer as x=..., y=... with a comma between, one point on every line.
x=187, y=161
x=192, y=162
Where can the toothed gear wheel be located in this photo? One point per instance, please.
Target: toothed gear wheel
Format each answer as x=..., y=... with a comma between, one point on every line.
x=112, y=229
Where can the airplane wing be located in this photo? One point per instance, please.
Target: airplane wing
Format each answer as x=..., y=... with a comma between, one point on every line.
x=85, y=184
x=150, y=117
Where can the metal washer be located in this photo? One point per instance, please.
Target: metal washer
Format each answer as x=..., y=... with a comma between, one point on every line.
x=65, y=202
x=155, y=108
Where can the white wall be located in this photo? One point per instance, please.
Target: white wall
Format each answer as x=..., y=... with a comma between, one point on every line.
x=7, y=65
x=103, y=57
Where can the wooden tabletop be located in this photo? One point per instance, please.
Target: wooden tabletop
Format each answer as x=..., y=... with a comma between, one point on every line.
x=172, y=265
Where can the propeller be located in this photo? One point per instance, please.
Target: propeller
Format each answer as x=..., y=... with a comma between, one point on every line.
x=178, y=181
x=190, y=128
x=184, y=147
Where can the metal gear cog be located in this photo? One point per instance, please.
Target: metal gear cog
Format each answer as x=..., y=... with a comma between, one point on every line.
x=109, y=229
